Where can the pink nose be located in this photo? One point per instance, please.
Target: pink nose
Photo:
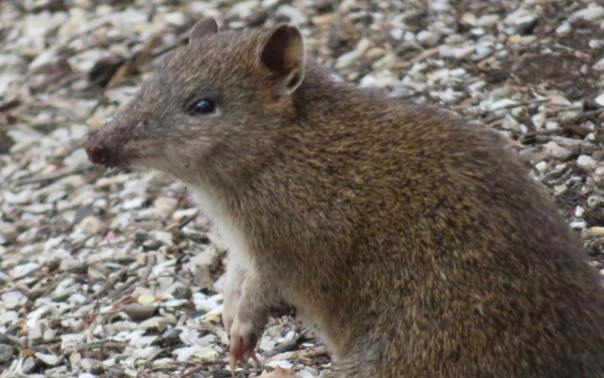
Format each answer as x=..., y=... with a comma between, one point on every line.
x=97, y=153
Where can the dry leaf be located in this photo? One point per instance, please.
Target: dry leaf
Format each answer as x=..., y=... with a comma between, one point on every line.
x=25, y=353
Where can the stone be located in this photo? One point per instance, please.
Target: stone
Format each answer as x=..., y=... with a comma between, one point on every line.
x=6, y=353
x=427, y=38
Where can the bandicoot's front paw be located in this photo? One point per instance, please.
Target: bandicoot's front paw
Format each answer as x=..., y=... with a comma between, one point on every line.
x=244, y=338
x=235, y=278
x=230, y=309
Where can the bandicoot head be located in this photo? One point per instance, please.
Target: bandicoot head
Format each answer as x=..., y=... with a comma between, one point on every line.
x=213, y=103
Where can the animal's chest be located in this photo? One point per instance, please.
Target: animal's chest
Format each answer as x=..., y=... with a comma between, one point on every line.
x=225, y=225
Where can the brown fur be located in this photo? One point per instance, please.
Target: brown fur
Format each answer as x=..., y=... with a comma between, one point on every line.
x=414, y=242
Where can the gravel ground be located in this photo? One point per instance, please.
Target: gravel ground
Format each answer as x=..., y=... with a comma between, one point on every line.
x=113, y=273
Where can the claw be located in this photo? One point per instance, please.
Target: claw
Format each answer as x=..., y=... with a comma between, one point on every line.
x=236, y=354
x=233, y=365
x=242, y=353
x=251, y=354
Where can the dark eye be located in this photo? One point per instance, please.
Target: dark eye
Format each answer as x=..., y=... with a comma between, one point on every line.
x=203, y=107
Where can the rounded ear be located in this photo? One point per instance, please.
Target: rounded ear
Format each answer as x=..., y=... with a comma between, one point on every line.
x=203, y=28
x=283, y=53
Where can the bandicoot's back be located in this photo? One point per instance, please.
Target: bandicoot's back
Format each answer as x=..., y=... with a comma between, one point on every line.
x=413, y=243
x=433, y=253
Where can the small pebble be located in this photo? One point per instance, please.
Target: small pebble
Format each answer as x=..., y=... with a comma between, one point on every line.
x=86, y=364
x=594, y=201
x=586, y=161
x=593, y=12
x=48, y=359
x=6, y=353
x=134, y=203
x=427, y=38
x=138, y=312
x=565, y=28
x=83, y=212
x=13, y=299
x=185, y=213
x=8, y=231
x=56, y=372
x=484, y=51
x=488, y=20
x=29, y=365
x=71, y=340
x=71, y=265
x=469, y=19
x=549, y=125
x=597, y=230
x=90, y=225
x=541, y=166
x=596, y=43
x=152, y=245
x=526, y=28
x=140, y=237
x=49, y=334
x=145, y=299
x=165, y=205
x=521, y=39
x=164, y=237
x=347, y=59
x=397, y=33
x=183, y=292
x=294, y=16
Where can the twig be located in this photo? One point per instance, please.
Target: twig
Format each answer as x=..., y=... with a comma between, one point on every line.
x=418, y=58
x=192, y=371
x=517, y=105
x=287, y=346
x=42, y=342
x=124, y=300
x=110, y=282
x=12, y=328
x=579, y=54
x=495, y=123
x=182, y=223
x=180, y=279
x=15, y=340
x=125, y=287
x=9, y=105
x=562, y=141
x=149, y=360
x=563, y=109
x=532, y=135
x=100, y=344
x=586, y=114
x=147, y=271
x=53, y=176
x=84, y=315
x=116, y=259
x=53, y=285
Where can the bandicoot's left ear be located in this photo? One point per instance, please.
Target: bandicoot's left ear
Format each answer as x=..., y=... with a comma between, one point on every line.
x=203, y=28
x=283, y=53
